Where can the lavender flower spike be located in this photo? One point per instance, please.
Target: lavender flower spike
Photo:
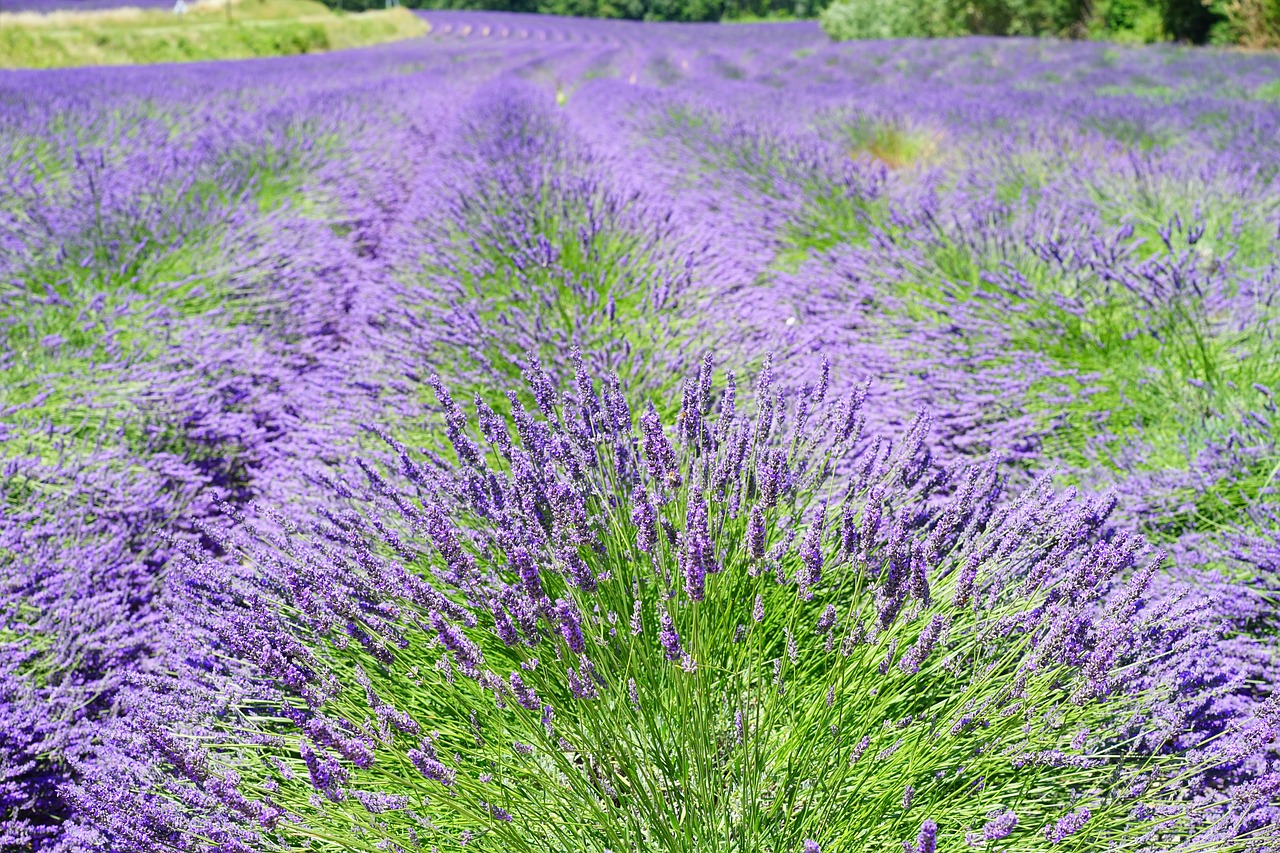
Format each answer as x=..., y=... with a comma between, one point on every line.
x=668, y=638
x=1066, y=826
x=756, y=534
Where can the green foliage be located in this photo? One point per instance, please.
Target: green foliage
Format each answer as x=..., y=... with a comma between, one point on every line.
x=892, y=141
x=1128, y=20
x=880, y=19
x=645, y=10
x=1188, y=20
x=1252, y=22
x=890, y=19
x=1020, y=17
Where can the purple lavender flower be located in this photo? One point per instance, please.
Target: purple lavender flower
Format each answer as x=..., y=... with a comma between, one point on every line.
x=811, y=553
x=615, y=402
x=705, y=377
x=524, y=695
x=376, y=802
x=645, y=518
x=327, y=774
x=522, y=562
x=455, y=425
x=466, y=654
x=1066, y=826
x=658, y=453
x=583, y=680
x=964, y=585
x=425, y=760
x=544, y=390
x=492, y=427
x=698, y=558
x=927, y=840
x=577, y=571
x=918, y=585
x=445, y=538
x=859, y=749
x=920, y=650
x=756, y=534
x=503, y=626
x=570, y=625
x=668, y=638
x=849, y=535
x=1000, y=824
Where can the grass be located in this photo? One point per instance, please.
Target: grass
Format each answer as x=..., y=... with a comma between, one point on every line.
x=209, y=30
x=889, y=140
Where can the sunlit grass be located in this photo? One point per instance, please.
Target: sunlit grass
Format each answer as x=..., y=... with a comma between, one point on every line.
x=210, y=29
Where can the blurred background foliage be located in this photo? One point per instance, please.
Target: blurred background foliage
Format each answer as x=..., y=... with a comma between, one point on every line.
x=1251, y=23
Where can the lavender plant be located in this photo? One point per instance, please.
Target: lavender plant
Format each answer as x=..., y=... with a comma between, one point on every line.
x=745, y=630
x=535, y=250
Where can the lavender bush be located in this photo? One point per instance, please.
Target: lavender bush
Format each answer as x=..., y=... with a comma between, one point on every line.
x=338, y=389
x=588, y=635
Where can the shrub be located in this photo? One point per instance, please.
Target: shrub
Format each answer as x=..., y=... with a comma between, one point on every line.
x=1252, y=23
x=1022, y=17
x=883, y=19
x=880, y=19
x=589, y=637
x=1128, y=20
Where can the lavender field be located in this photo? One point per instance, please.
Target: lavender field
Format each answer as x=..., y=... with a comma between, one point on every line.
x=567, y=435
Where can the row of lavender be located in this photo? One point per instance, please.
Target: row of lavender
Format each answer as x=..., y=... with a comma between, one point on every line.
x=269, y=584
